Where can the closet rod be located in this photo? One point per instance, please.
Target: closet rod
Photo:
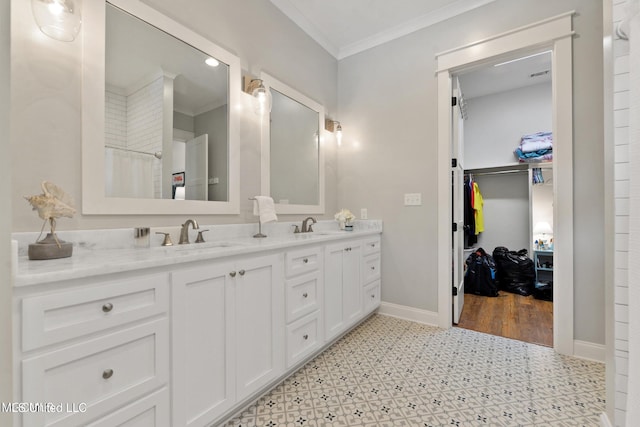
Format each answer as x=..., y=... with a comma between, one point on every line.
x=497, y=172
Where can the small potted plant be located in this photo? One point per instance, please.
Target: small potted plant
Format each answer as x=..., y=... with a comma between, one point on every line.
x=345, y=218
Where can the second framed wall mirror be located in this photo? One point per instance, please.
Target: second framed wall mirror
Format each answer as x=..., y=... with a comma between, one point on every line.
x=292, y=152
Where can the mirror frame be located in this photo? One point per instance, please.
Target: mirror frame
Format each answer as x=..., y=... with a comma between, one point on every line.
x=94, y=201
x=271, y=82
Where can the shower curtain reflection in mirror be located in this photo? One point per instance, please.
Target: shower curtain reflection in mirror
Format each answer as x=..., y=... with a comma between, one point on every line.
x=129, y=174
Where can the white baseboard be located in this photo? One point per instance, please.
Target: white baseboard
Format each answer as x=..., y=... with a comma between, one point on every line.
x=409, y=313
x=589, y=351
x=604, y=420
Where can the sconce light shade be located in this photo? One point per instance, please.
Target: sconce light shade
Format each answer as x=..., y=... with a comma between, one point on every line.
x=261, y=97
x=336, y=128
x=339, y=134
x=59, y=19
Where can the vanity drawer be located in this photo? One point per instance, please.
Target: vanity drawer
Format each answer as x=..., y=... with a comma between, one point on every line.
x=303, y=338
x=371, y=246
x=371, y=297
x=150, y=411
x=103, y=374
x=303, y=295
x=53, y=318
x=303, y=261
x=370, y=268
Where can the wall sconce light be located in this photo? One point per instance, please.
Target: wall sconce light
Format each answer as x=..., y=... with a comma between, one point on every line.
x=261, y=96
x=335, y=127
x=59, y=19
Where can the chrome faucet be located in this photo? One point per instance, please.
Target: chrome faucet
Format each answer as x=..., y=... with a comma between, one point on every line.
x=307, y=228
x=184, y=231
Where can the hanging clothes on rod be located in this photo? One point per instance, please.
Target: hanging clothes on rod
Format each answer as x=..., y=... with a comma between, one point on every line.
x=473, y=210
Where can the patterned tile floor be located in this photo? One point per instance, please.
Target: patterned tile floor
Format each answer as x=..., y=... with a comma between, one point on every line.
x=392, y=372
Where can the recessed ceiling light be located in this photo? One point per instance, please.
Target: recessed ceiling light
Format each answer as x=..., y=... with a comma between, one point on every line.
x=212, y=62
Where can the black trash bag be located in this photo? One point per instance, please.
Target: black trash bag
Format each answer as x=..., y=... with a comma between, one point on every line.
x=480, y=277
x=543, y=291
x=515, y=271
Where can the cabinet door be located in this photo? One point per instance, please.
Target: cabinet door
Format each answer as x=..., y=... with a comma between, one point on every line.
x=203, y=344
x=342, y=287
x=352, y=286
x=259, y=322
x=334, y=320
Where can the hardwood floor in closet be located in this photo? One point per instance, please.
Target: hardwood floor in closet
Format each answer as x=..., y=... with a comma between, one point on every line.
x=510, y=316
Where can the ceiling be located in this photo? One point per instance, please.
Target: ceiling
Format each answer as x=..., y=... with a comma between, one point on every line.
x=346, y=27
x=492, y=79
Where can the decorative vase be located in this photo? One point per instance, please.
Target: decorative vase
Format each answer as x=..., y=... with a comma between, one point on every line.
x=342, y=224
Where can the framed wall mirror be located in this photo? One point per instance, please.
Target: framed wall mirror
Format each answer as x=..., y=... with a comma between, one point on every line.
x=160, y=131
x=292, y=152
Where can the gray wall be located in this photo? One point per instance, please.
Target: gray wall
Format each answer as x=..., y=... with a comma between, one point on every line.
x=46, y=90
x=496, y=123
x=506, y=211
x=388, y=106
x=6, y=284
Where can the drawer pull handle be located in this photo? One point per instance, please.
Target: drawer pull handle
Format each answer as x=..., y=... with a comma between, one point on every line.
x=373, y=295
x=107, y=307
x=305, y=295
x=305, y=260
x=305, y=336
x=107, y=373
x=232, y=274
x=241, y=272
x=373, y=268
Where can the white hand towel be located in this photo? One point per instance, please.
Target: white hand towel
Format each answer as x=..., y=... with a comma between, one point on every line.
x=264, y=208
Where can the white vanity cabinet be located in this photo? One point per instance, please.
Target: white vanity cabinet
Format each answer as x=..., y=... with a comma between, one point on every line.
x=228, y=335
x=91, y=350
x=303, y=302
x=191, y=343
x=371, y=273
x=342, y=287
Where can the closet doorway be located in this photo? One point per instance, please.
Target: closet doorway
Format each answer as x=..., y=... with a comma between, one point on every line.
x=552, y=34
x=503, y=140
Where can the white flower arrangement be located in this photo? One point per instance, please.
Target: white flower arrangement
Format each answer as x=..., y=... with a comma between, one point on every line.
x=345, y=216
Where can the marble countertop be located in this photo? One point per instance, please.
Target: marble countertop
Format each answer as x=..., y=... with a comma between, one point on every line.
x=93, y=259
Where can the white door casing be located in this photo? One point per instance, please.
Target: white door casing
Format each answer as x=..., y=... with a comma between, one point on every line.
x=555, y=34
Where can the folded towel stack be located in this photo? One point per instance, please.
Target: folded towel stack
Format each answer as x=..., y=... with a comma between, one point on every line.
x=264, y=207
x=537, y=147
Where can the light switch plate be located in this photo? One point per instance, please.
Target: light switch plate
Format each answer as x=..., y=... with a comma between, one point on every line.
x=363, y=213
x=413, y=199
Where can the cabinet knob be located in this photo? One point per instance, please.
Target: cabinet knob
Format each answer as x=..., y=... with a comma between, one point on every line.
x=305, y=295
x=241, y=272
x=372, y=267
x=232, y=274
x=373, y=295
x=305, y=336
x=373, y=245
x=305, y=260
x=107, y=373
x=107, y=307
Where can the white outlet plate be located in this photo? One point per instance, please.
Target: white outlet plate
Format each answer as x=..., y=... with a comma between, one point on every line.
x=363, y=213
x=413, y=199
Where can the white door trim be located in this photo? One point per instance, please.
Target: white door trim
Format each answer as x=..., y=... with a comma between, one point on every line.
x=551, y=34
